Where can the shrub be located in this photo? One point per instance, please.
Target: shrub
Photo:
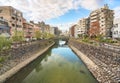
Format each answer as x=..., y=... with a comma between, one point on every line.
x=4, y=43
x=1, y=59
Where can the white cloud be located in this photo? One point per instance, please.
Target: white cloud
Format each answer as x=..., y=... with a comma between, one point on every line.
x=117, y=12
x=39, y=10
x=90, y=4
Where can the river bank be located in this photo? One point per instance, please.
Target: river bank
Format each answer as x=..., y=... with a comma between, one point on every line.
x=103, y=64
x=19, y=60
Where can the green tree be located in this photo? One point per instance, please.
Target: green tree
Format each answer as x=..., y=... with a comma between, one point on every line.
x=38, y=34
x=18, y=36
x=4, y=43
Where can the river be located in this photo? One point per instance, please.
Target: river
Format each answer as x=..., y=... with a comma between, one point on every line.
x=58, y=65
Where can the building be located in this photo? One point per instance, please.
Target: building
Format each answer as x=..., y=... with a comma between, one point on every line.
x=116, y=29
x=42, y=26
x=35, y=26
x=4, y=28
x=56, y=31
x=94, y=29
x=72, y=31
x=13, y=16
x=101, y=22
x=47, y=29
x=28, y=29
x=76, y=31
x=52, y=30
x=106, y=21
x=83, y=26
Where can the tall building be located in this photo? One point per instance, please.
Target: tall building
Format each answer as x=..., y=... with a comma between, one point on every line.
x=101, y=22
x=94, y=29
x=106, y=21
x=28, y=29
x=52, y=30
x=116, y=29
x=13, y=16
x=42, y=26
x=72, y=31
x=83, y=26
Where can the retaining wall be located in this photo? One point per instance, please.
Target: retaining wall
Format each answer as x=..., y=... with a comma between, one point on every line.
x=106, y=63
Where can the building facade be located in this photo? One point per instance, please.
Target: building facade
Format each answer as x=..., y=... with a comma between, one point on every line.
x=13, y=16
x=94, y=29
x=72, y=31
x=28, y=29
x=4, y=28
x=83, y=26
x=101, y=22
x=116, y=29
x=106, y=21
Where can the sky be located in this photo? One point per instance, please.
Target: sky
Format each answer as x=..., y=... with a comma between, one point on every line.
x=61, y=13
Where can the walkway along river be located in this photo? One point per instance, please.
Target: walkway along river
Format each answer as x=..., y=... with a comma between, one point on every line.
x=58, y=65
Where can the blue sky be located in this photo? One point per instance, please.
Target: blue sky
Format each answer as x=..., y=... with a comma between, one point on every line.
x=73, y=16
x=61, y=13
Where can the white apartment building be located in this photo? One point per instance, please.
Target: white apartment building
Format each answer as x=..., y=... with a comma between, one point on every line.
x=116, y=29
x=82, y=26
x=76, y=28
x=106, y=21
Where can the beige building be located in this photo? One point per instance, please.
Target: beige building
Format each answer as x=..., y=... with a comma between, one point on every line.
x=106, y=21
x=83, y=26
x=101, y=22
x=28, y=29
x=13, y=16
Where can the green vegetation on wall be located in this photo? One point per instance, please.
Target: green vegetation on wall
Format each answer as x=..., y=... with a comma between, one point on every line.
x=4, y=43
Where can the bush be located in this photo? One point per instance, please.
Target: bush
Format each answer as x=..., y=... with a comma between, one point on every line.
x=1, y=59
x=18, y=36
x=85, y=40
x=4, y=43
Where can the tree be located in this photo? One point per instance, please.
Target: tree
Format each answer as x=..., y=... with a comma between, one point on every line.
x=47, y=35
x=18, y=36
x=38, y=35
x=4, y=43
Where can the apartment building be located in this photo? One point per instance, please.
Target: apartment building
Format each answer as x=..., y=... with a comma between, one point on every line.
x=35, y=26
x=106, y=21
x=83, y=26
x=116, y=29
x=13, y=16
x=28, y=29
x=94, y=23
x=72, y=31
x=101, y=22
x=4, y=28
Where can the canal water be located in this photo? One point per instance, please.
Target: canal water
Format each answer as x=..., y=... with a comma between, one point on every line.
x=59, y=65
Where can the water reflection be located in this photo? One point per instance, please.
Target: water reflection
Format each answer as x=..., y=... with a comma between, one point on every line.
x=58, y=65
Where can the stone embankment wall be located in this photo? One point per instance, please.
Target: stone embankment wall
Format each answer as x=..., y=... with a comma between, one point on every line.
x=108, y=62
x=21, y=53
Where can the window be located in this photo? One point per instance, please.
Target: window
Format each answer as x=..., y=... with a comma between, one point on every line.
x=116, y=25
x=13, y=25
x=17, y=19
x=102, y=17
x=19, y=14
x=1, y=17
x=13, y=18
